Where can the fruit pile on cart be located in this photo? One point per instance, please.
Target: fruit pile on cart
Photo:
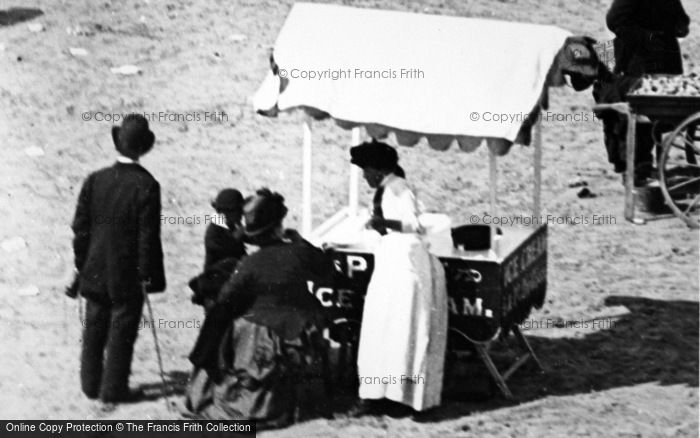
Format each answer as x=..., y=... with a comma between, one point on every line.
x=671, y=103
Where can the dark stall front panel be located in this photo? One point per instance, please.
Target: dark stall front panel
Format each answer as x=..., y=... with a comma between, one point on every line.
x=524, y=278
x=499, y=291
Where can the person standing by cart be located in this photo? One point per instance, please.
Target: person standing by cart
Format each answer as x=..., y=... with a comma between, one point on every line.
x=404, y=324
x=647, y=33
x=646, y=42
x=117, y=252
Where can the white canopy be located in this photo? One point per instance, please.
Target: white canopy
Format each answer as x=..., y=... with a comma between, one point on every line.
x=418, y=75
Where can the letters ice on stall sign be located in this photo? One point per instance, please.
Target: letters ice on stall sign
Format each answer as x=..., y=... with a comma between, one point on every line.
x=346, y=297
x=524, y=258
x=525, y=273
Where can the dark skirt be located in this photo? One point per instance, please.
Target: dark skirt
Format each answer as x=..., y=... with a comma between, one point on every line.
x=261, y=377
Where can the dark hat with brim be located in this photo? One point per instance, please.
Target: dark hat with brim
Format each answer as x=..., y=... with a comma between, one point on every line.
x=133, y=137
x=263, y=212
x=580, y=61
x=228, y=200
x=374, y=154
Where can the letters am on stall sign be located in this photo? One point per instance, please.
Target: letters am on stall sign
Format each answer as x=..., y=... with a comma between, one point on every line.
x=483, y=294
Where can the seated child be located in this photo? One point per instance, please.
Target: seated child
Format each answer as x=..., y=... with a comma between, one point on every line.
x=223, y=243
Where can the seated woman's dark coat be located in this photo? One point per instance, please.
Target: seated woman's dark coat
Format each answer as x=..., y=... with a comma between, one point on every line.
x=271, y=288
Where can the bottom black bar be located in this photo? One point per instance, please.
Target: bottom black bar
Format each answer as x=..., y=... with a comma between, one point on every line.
x=123, y=428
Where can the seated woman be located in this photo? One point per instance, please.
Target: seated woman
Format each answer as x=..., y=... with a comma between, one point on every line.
x=404, y=322
x=259, y=352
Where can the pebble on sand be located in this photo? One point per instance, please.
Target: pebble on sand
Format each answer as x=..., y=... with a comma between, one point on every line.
x=237, y=38
x=77, y=51
x=13, y=244
x=126, y=70
x=577, y=183
x=34, y=151
x=28, y=291
x=79, y=31
x=586, y=193
x=35, y=27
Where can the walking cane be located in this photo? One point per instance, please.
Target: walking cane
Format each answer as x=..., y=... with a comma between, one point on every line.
x=155, y=341
x=81, y=312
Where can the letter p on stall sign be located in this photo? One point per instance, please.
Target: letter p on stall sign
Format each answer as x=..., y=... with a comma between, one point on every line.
x=356, y=264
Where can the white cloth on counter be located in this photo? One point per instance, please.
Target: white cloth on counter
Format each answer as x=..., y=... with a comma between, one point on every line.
x=398, y=201
x=404, y=323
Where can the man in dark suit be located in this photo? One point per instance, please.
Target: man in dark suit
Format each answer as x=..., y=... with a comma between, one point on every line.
x=646, y=42
x=117, y=252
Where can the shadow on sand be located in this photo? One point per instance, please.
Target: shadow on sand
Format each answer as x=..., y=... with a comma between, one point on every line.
x=657, y=341
x=11, y=16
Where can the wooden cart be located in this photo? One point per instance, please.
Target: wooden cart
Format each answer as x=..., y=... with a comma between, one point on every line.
x=675, y=128
x=490, y=293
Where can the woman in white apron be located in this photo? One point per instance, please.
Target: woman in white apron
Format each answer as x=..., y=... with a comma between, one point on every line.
x=404, y=324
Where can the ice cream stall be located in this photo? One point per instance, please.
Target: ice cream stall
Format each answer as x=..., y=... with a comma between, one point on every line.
x=459, y=83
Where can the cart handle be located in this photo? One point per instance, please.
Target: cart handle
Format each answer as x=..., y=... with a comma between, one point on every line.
x=620, y=107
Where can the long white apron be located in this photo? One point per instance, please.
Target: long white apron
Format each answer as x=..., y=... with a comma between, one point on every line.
x=404, y=325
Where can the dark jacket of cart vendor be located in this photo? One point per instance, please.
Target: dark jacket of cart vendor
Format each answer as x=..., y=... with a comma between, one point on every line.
x=646, y=35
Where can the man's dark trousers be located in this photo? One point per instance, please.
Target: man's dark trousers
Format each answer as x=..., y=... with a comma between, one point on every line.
x=109, y=334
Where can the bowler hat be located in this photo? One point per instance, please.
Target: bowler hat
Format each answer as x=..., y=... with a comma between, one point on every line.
x=374, y=154
x=263, y=212
x=133, y=137
x=228, y=200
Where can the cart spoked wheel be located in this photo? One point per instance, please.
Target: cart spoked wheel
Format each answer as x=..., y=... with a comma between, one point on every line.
x=679, y=172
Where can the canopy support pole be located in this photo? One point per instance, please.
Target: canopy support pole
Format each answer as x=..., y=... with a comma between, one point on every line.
x=493, y=191
x=537, y=195
x=629, y=172
x=354, y=189
x=306, y=220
